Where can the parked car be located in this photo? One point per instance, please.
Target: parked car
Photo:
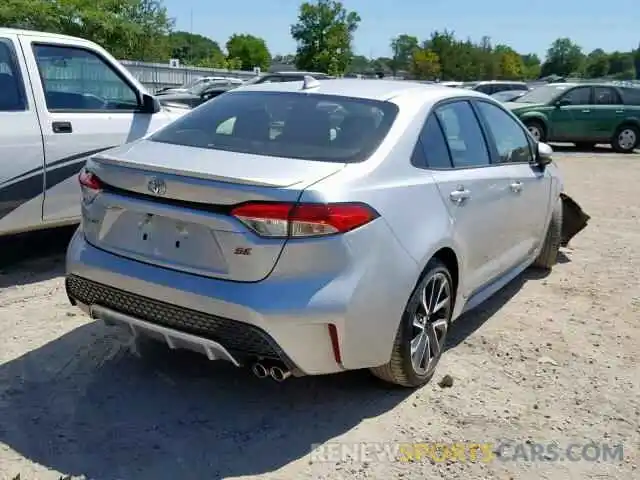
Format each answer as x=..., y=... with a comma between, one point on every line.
x=494, y=86
x=508, y=95
x=294, y=76
x=584, y=114
x=196, y=96
x=253, y=231
x=61, y=99
x=199, y=82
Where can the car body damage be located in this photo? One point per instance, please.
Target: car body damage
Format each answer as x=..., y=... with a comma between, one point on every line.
x=574, y=219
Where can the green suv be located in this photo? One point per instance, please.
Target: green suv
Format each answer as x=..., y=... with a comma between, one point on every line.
x=584, y=114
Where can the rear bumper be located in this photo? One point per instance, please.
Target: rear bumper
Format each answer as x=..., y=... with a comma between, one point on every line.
x=281, y=317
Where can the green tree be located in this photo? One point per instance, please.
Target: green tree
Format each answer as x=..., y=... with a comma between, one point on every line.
x=636, y=61
x=324, y=33
x=193, y=49
x=532, y=65
x=403, y=48
x=359, y=64
x=425, y=64
x=251, y=51
x=511, y=64
x=564, y=58
x=129, y=29
x=621, y=65
x=597, y=64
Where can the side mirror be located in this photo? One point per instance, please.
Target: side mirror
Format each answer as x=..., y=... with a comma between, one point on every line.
x=562, y=103
x=544, y=155
x=150, y=104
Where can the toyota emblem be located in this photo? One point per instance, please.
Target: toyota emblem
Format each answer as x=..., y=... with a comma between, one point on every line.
x=157, y=186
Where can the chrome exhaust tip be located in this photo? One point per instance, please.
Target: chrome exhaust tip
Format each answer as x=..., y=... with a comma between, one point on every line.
x=259, y=370
x=278, y=374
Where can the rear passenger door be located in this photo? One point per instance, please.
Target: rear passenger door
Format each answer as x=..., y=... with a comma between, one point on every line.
x=21, y=148
x=607, y=112
x=528, y=187
x=456, y=151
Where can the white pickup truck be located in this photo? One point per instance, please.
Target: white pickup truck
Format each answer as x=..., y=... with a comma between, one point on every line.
x=61, y=100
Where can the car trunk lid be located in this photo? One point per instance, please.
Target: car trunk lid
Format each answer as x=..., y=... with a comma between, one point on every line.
x=170, y=205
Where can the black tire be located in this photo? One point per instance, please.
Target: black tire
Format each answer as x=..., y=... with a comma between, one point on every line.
x=625, y=131
x=548, y=256
x=538, y=126
x=400, y=369
x=585, y=145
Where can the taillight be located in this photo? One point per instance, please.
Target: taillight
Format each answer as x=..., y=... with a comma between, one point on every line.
x=89, y=180
x=90, y=185
x=303, y=220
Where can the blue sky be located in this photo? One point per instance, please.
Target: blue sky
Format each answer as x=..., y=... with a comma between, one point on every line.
x=528, y=26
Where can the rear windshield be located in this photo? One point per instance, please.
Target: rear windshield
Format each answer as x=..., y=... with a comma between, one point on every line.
x=285, y=124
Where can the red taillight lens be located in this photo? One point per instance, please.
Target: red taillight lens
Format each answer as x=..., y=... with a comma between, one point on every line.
x=89, y=180
x=303, y=220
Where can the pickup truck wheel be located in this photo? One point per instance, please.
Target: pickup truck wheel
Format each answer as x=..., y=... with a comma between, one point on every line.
x=626, y=139
x=548, y=256
x=422, y=334
x=536, y=129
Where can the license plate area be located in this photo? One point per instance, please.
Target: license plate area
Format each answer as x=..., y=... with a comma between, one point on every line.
x=164, y=240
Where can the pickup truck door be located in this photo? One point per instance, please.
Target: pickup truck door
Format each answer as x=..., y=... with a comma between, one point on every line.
x=21, y=150
x=87, y=102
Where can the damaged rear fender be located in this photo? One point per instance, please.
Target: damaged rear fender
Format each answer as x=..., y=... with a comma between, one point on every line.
x=574, y=219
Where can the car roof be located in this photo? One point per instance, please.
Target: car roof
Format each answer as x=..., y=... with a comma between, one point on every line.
x=381, y=90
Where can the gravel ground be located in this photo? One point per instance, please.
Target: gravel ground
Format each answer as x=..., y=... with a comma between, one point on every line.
x=549, y=359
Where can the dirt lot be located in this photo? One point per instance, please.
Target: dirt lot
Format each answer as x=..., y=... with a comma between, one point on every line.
x=550, y=359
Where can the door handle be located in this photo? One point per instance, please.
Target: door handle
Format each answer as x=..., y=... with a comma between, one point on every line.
x=619, y=111
x=586, y=111
x=62, y=127
x=516, y=187
x=460, y=195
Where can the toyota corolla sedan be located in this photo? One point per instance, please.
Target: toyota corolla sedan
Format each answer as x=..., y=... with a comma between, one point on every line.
x=310, y=227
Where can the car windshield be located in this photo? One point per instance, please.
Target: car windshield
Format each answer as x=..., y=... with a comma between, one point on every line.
x=544, y=94
x=285, y=124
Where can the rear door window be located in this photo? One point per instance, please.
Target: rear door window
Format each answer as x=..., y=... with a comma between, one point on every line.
x=285, y=124
x=12, y=92
x=606, y=96
x=464, y=136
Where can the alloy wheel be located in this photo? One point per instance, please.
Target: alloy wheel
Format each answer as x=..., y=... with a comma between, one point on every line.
x=430, y=323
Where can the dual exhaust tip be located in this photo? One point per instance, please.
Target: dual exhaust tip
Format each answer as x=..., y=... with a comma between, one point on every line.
x=277, y=373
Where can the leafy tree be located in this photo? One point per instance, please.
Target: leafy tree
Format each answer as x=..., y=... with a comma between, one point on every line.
x=511, y=65
x=359, y=64
x=564, y=58
x=532, y=65
x=324, y=33
x=194, y=49
x=251, y=51
x=636, y=61
x=403, y=48
x=597, y=64
x=425, y=64
x=621, y=65
x=132, y=29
